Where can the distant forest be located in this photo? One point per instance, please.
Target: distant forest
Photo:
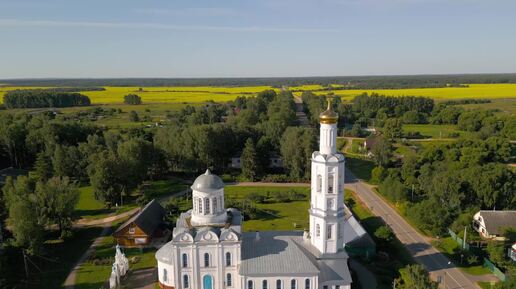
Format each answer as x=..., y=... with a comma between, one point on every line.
x=351, y=82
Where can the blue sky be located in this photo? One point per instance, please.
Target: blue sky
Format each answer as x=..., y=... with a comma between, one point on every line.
x=218, y=38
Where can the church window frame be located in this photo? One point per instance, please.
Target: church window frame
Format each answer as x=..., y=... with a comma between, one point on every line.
x=265, y=284
x=186, y=281
x=329, y=232
x=331, y=180
x=185, y=260
x=329, y=204
x=228, y=259
x=207, y=209
x=317, y=230
x=293, y=284
x=207, y=260
x=199, y=201
x=319, y=183
x=229, y=280
x=165, y=275
x=278, y=284
x=250, y=284
x=215, y=205
x=307, y=283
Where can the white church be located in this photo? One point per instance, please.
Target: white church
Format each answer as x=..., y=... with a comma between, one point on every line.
x=209, y=249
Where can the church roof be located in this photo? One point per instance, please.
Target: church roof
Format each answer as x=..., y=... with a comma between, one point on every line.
x=274, y=253
x=277, y=253
x=207, y=183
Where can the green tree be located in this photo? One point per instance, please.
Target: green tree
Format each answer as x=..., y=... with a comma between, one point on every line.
x=133, y=99
x=384, y=234
x=57, y=199
x=133, y=116
x=43, y=167
x=382, y=151
x=415, y=277
x=249, y=161
x=297, y=145
x=24, y=216
x=392, y=128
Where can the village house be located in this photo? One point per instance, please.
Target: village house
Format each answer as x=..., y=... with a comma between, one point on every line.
x=275, y=161
x=143, y=227
x=490, y=224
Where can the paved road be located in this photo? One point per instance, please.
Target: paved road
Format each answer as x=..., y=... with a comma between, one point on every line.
x=418, y=246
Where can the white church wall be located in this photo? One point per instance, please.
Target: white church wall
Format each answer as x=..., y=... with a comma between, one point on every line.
x=285, y=282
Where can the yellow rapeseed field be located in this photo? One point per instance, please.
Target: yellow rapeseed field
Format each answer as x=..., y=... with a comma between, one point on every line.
x=491, y=91
x=180, y=94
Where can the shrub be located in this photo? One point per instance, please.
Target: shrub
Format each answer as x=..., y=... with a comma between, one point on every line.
x=132, y=99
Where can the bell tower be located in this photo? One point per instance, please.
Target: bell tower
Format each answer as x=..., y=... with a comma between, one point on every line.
x=327, y=188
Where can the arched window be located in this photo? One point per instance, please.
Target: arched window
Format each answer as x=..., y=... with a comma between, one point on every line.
x=229, y=281
x=250, y=284
x=317, y=230
x=307, y=283
x=293, y=284
x=329, y=232
x=207, y=209
x=264, y=284
x=329, y=204
x=195, y=205
x=185, y=260
x=186, y=282
x=330, y=184
x=228, y=259
x=199, y=202
x=206, y=260
x=278, y=284
x=165, y=275
x=215, y=205
x=319, y=183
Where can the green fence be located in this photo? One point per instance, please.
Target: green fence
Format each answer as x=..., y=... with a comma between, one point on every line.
x=458, y=240
x=489, y=265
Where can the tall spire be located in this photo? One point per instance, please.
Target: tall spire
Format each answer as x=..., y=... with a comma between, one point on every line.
x=328, y=116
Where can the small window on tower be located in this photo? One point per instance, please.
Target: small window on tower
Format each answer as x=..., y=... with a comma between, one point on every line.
x=207, y=209
x=317, y=230
x=200, y=205
x=319, y=183
x=329, y=232
x=330, y=184
x=215, y=205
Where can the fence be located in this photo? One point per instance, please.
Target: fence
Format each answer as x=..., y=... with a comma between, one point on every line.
x=458, y=240
x=489, y=265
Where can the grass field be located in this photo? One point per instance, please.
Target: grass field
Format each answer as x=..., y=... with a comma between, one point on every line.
x=221, y=94
x=274, y=216
x=433, y=130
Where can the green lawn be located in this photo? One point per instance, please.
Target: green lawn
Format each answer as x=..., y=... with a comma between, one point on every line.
x=485, y=285
x=274, y=216
x=162, y=188
x=433, y=130
x=360, y=167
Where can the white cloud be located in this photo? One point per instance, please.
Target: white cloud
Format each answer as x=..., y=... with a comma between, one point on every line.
x=144, y=25
x=204, y=12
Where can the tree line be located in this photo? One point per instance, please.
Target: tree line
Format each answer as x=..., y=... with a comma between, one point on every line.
x=43, y=98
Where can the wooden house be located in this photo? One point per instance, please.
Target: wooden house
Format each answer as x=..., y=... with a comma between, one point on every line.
x=141, y=228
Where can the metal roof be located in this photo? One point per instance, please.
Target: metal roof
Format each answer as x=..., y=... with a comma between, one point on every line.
x=496, y=220
x=207, y=183
x=274, y=253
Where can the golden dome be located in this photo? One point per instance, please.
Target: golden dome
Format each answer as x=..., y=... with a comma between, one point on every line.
x=328, y=116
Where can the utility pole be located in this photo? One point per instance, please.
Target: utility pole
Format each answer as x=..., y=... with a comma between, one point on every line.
x=464, y=241
x=26, y=269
